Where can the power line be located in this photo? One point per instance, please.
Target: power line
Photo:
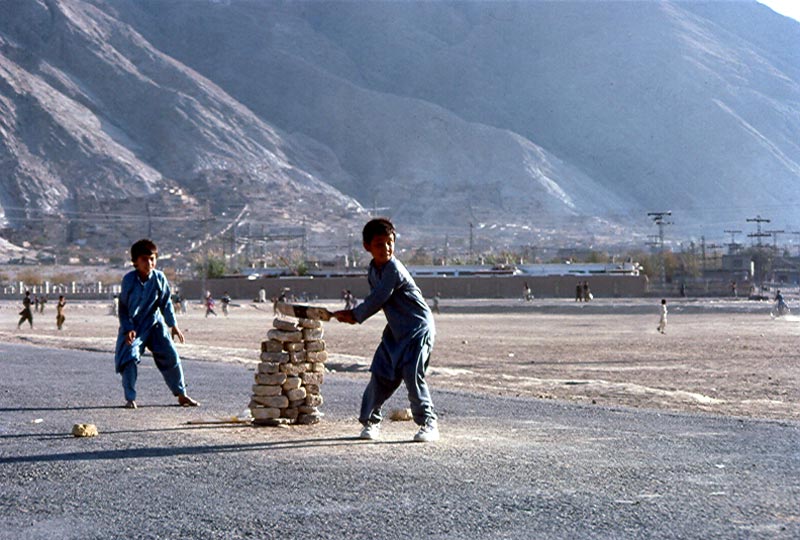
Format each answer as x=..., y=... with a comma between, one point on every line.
x=758, y=220
x=659, y=218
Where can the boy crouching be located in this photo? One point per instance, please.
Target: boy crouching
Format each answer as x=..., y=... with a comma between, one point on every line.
x=145, y=315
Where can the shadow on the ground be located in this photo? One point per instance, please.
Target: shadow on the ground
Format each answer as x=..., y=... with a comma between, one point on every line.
x=83, y=408
x=62, y=435
x=161, y=452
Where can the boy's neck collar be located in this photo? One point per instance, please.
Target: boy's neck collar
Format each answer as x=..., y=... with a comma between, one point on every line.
x=380, y=266
x=143, y=278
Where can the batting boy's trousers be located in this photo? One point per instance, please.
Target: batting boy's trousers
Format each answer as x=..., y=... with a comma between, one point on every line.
x=412, y=373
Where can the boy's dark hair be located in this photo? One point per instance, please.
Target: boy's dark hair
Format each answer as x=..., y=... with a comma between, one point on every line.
x=144, y=246
x=376, y=227
x=663, y=300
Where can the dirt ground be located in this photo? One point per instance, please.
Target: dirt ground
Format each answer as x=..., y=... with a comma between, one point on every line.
x=719, y=356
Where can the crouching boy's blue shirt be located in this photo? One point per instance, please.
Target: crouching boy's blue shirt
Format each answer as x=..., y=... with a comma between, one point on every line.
x=144, y=306
x=410, y=329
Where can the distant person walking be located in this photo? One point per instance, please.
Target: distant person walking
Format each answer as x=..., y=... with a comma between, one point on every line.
x=662, y=323
x=436, y=303
x=225, y=300
x=210, y=305
x=527, y=295
x=579, y=292
x=734, y=293
x=60, y=318
x=42, y=302
x=587, y=293
x=349, y=300
x=26, y=314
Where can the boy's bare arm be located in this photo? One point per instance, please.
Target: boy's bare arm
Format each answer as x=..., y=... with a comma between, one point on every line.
x=177, y=334
x=345, y=316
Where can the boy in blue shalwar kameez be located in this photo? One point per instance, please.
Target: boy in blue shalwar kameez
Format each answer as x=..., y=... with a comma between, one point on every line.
x=146, y=319
x=405, y=349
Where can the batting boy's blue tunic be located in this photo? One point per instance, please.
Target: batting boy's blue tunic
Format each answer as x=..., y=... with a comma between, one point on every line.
x=404, y=352
x=145, y=306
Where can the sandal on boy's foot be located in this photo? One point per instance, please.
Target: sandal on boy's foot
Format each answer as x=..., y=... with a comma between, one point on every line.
x=186, y=401
x=427, y=433
x=130, y=404
x=371, y=432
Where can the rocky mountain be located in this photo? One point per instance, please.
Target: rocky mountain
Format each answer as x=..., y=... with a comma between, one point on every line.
x=547, y=118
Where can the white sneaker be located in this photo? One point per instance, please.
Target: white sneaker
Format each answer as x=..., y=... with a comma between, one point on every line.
x=371, y=432
x=428, y=433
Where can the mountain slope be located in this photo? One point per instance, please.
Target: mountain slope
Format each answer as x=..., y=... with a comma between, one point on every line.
x=572, y=117
x=95, y=119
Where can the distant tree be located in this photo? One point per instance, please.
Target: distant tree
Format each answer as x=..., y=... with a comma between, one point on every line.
x=30, y=277
x=420, y=257
x=211, y=267
x=597, y=257
x=171, y=274
x=64, y=278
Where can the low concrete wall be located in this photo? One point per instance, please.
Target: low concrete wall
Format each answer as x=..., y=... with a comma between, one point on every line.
x=447, y=287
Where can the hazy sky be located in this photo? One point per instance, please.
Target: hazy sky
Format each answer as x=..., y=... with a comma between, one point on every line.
x=790, y=8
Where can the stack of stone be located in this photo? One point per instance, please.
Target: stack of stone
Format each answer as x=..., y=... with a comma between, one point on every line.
x=288, y=378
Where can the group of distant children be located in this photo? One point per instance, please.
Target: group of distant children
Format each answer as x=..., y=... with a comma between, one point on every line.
x=38, y=306
x=582, y=292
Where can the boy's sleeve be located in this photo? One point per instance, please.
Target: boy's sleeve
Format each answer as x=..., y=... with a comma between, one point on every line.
x=380, y=294
x=125, y=320
x=165, y=303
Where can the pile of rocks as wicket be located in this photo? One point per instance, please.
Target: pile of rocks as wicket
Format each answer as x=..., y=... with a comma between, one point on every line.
x=288, y=378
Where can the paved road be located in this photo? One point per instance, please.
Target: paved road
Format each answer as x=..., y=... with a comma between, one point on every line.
x=506, y=467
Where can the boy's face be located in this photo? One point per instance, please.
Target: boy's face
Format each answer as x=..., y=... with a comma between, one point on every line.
x=145, y=264
x=381, y=247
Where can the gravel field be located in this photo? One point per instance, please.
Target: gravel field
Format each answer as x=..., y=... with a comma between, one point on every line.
x=506, y=467
x=725, y=356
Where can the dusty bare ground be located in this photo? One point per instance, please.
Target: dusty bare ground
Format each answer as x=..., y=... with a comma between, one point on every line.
x=717, y=357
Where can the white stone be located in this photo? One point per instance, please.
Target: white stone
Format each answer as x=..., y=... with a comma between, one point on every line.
x=292, y=383
x=313, y=334
x=277, y=357
x=275, y=378
x=280, y=335
x=314, y=346
x=312, y=378
x=286, y=326
x=269, y=367
x=310, y=323
x=264, y=413
x=267, y=390
x=296, y=395
x=314, y=400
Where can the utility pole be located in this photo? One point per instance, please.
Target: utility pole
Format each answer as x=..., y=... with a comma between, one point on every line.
x=733, y=247
x=796, y=233
x=303, y=242
x=703, y=252
x=471, y=243
x=446, y=249
x=774, y=234
x=149, y=220
x=659, y=218
x=758, y=220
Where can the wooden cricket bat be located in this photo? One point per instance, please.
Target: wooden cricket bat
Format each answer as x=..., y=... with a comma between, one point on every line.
x=305, y=312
